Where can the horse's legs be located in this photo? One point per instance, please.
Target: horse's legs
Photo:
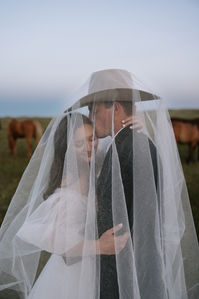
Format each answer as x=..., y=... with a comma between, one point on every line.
x=198, y=150
x=28, y=139
x=192, y=147
x=189, y=155
x=12, y=145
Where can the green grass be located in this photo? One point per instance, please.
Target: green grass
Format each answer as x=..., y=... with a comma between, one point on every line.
x=12, y=168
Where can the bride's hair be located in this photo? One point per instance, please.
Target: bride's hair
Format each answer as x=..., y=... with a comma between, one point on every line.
x=60, y=148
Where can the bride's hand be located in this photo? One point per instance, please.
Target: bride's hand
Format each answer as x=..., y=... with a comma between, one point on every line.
x=135, y=123
x=106, y=243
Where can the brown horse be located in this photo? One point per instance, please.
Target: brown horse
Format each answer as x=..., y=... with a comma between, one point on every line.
x=187, y=131
x=23, y=129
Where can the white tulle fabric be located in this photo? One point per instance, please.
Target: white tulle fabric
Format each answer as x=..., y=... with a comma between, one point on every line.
x=48, y=239
x=56, y=226
x=58, y=223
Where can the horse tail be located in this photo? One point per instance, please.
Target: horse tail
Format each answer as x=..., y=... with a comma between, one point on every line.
x=38, y=130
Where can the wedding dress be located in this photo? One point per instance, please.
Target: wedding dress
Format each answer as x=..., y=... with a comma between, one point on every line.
x=47, y=229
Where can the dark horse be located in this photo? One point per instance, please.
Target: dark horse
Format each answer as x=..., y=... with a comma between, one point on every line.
x=23, y=129
x=187, y=131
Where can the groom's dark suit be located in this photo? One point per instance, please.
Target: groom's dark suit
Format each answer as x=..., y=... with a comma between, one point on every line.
x=123, y=141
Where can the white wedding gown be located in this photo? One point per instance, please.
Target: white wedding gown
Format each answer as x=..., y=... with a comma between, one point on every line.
x=56, y=226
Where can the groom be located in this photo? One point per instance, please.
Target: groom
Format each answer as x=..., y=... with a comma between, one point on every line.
x=123, y=140
x=108, y=116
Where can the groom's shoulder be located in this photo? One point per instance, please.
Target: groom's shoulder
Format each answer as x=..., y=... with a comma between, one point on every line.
x=124, y=136
x=124, y=142
x=127, y=139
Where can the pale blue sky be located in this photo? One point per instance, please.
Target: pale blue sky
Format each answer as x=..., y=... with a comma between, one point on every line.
x=48, y=48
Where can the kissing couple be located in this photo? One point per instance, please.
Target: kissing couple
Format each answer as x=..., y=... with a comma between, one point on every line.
x=99, y=211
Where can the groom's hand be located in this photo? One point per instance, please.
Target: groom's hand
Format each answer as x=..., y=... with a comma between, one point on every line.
x=110, y=244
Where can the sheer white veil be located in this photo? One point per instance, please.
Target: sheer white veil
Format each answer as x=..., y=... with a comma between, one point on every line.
x=73, y=191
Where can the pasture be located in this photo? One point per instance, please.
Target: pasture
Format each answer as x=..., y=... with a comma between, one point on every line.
x=11, y=168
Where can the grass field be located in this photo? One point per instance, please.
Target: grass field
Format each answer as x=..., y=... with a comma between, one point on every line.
x=11, y=168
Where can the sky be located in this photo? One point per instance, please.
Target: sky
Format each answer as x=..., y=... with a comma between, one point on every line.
x=48, y=49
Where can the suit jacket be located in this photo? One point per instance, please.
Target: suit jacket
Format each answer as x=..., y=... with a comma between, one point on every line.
x=123, y=141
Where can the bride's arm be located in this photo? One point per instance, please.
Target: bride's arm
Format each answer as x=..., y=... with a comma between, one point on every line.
x=104, y=245
x=135, y=122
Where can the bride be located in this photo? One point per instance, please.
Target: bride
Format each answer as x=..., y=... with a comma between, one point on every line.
x=57, y=225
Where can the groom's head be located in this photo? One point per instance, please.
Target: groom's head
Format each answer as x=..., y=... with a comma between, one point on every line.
x=108, y=116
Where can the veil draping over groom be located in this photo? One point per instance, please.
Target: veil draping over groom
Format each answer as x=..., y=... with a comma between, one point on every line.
x=102, y=210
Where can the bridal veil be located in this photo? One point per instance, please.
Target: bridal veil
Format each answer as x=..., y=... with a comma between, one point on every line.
x=81, y=183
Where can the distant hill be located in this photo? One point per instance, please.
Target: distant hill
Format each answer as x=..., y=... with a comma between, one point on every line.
x=184, y=113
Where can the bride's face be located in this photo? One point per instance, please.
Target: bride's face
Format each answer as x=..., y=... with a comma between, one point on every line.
x=83, y=142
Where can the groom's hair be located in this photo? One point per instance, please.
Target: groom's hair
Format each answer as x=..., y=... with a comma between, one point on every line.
x=127, y=106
